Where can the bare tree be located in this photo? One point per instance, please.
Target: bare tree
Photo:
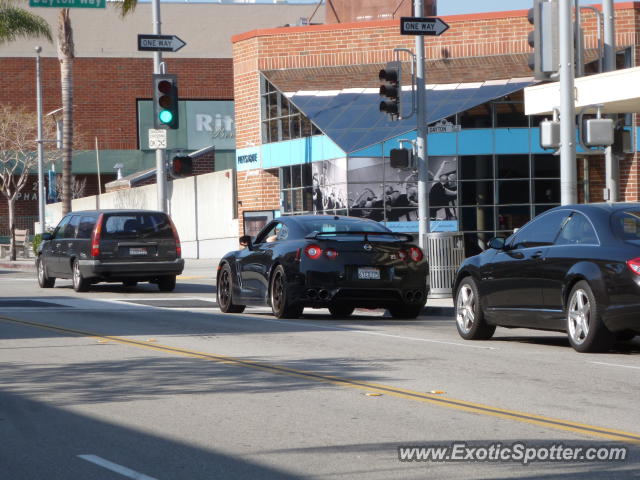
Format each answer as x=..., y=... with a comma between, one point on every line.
x=18, y=156
x=78, y=186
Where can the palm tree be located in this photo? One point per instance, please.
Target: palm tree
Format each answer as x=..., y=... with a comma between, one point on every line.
x=16, y=22
x=65, y=56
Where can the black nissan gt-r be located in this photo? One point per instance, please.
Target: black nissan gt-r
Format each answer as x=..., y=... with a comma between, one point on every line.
x=320, y=261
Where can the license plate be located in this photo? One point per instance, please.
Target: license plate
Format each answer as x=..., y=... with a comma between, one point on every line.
x=368, y=273
x=137, y=251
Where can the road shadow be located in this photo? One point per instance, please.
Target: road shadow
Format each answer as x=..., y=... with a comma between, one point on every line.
x=628, y=347
x=43, y=441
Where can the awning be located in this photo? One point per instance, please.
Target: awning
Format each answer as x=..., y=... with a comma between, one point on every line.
x=351, y=117
x=617, y=91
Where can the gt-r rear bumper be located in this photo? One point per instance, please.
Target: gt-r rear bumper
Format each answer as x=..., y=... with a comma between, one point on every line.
x=320, y=289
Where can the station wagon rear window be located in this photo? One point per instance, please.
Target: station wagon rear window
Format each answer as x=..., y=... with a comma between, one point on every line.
x=136, y=225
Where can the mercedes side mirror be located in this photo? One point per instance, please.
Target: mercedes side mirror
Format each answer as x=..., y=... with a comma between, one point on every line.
x=497, y=243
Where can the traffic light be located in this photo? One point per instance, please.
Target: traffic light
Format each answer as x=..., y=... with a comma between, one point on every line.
x=401, y=158
x=544, y=39
x=390, y=89
x=182, y=165
x=165, y=101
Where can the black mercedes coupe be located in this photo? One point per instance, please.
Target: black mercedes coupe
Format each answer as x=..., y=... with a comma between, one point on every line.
x=320, y=261
x=574, y=268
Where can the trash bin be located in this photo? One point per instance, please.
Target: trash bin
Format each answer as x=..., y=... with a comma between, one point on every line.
x=445, y=252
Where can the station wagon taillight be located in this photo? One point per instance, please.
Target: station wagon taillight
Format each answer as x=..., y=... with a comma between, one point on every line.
x=95, y=237
x=176, y=238
x=634, y=265
x=313, y=252
x=416, y=254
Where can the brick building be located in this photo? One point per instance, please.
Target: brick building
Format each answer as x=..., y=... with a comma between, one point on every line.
x=113, y=89
x=307, y=124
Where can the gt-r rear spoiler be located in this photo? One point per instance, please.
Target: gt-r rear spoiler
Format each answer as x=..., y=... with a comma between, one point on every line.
x=316, y=234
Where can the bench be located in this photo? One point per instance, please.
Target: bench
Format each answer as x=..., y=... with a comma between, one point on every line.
x=22, y=244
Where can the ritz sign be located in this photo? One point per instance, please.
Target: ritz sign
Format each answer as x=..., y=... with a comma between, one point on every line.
x=211, y=123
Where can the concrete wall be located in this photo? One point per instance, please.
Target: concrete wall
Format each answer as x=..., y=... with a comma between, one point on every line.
x=201, y=208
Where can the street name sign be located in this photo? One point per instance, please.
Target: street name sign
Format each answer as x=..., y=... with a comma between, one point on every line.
x=157, y=139
x=159, y=43
x=432, y=26
x=68, y=3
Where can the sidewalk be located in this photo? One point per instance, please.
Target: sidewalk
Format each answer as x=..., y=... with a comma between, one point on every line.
x=200, y=268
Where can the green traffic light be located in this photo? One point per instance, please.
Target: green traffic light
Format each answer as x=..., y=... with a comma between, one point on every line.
x=166, y=116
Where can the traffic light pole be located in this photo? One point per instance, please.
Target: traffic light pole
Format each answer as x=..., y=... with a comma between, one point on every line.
x=161, y=167
x=421, y=143
x=568, y=174
x=612, y=169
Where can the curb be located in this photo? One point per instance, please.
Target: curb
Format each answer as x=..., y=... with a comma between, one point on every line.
x=27, y=267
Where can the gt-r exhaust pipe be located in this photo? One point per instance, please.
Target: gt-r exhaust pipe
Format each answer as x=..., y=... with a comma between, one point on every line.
x=409, y=296
x=312, y=293
x=417, y=296
x=323, y=294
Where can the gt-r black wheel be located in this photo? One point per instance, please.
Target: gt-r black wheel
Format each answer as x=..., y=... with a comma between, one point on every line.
x=338, y=311
x=224, y=292
x=405, y=311
x=43, y=279
x=280, y=303
x=585, y=328
x=469, y=316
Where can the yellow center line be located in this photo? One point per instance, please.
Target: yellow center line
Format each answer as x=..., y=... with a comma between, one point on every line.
x=192, y=277
x=477, y=408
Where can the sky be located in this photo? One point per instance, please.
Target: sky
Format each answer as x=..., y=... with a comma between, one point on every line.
x=455, y=7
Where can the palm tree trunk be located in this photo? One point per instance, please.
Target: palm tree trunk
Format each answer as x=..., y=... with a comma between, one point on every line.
x=65, y=56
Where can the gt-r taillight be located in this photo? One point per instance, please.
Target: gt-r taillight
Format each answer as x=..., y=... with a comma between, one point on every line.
x=331, y=253
x=634, y=265
x=416, y=254
x=314, y=252
x=402, y=255
x=95, y=237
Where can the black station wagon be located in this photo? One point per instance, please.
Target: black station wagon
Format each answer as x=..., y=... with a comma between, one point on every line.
x=127, y=246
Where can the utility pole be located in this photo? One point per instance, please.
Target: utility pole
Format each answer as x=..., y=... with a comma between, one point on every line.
x=421, y=143
x=568, y=174
x=161, y=170
x=612, y=169
x=40, y=142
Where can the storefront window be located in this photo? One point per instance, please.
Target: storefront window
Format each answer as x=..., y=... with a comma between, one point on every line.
x=280, y=119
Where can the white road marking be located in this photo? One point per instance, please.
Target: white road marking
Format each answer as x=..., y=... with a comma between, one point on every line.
x=380, y=334
x=615, y=365
x=114, y=467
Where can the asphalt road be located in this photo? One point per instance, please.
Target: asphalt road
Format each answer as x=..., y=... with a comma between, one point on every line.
x=133, y=383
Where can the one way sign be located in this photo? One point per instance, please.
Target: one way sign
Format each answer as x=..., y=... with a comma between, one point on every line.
x=159, y=43
x=422, y=26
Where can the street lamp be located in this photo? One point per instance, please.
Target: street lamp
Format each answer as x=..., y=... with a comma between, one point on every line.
x=40, y=142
